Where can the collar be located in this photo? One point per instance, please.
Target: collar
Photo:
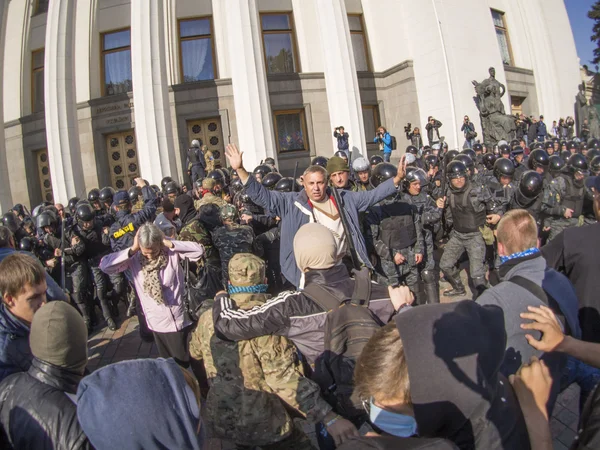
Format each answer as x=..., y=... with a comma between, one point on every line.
x=335, y=274
x=310, y=203
x=509, y=264
x=528, y=252
x=57, y=377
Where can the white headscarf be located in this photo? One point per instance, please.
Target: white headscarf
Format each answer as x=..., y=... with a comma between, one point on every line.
x=315, y=248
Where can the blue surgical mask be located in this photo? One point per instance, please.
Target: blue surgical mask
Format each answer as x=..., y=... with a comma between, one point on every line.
x=395, y=424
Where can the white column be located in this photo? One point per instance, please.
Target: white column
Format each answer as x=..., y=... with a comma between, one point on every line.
x=153, y=128
x=62, y=132
x=5, y=194
x=249, y=80
x=341, y=82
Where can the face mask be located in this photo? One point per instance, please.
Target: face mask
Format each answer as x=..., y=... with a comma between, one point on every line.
x=395, y=424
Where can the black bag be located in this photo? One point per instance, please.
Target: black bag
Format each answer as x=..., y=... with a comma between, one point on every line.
x=200, y=287
x=348, y=327
x=394, y=144
x=471, y=135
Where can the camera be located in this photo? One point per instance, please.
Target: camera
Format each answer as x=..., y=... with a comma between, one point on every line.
x=408, y=128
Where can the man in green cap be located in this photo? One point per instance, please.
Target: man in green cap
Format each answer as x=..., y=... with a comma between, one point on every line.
x=339, y=174
x=254, y=383
x=232, y=238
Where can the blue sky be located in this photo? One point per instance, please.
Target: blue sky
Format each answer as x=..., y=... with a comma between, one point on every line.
x=582, y=28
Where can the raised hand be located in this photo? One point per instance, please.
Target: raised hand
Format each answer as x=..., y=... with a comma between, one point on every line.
x=234, y=156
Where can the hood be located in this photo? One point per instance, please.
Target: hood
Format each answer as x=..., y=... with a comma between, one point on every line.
x=9, y=324
x=454, y=353
x=140, y=404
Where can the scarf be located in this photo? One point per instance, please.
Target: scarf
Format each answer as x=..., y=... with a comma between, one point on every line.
x=528, y=252
x=256, y=289
x=151, y=269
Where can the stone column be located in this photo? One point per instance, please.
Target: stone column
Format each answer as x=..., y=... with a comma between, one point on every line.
x=5, y=194
x=153, y=127
x=250, y=91
x=62, y=132
x=341, y=81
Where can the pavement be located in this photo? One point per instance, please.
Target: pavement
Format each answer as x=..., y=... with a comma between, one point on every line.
x=107, y=347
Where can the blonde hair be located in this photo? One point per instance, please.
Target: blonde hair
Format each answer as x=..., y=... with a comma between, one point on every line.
x=517, y=231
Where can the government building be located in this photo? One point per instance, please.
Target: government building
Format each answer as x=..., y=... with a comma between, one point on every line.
x=98, y=92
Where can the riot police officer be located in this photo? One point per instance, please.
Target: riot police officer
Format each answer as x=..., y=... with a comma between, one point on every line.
x=528, y=196
x=196, y=164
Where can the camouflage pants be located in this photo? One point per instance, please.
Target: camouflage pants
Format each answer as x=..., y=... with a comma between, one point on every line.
x=559, y=224
x=297, y=440
x=406, y=273
x=473, y=244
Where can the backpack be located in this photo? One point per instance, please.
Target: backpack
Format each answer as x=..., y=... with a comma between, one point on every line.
x=394, y=145
x=348, y=327
x=199, y=288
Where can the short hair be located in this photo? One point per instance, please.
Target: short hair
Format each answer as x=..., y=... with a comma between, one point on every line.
x=18, y=270
x=381, y=370
x=5, y=237
x=150, y=236
x=315, y=169
x=517, y=231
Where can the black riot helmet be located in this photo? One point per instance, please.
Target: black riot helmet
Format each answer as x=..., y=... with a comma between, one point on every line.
x=450, y=155
x=593, y=143
x=155, y=188
x=431, y=161
x=592, y=153
x=270, y=180
x=262, y=170
x=319, y=161
x=10, y=221
x=456, y=169
x=46, y=219
x=19, y=209
x=134, y=194
x=236, y=185
x=530, y=186
x=578, y=163
x=412, y=150
x=565, y=155
x=94, y=195
x=595, y=165
x=72, y=204
x=27, y=244
x=172, y=187
x=375, y=159
x=489, y=159
x=478, y=147
x=85, y=213
x=287, y=184
x=538, y=158
x=218, y=176
x=382, y=172
x=470, y=153
x=106, y=195
x=467, y=161
x=164, y=182
x=504, y=167
x=556, y=164
x=416, y=174
x=226, y=176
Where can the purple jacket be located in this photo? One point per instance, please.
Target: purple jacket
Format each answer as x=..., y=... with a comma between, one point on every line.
x=168, y=317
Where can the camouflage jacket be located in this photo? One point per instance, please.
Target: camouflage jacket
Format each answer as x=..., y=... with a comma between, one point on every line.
x=252, y=382
x=194, y=231
x=209, y=198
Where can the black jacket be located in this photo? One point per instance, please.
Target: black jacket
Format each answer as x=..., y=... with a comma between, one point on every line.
x=293, y=314
x=36, y=412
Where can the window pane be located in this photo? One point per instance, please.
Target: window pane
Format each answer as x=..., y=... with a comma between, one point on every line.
x=289, y=132
x=503, y=43
x=200, y=27
x=117, y=40
x=276, y=22
x=360, y=55
x=197, y=60
x=498, y=19
x=369, y=121
x=279, y=53
x=117, y=72
x=38, y=91
x=355, y=23
x=38, y=59
x=42, y=6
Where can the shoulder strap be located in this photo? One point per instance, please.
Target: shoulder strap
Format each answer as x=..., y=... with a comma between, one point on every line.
x=322, y=297
x=362, y=287
x=531, y=287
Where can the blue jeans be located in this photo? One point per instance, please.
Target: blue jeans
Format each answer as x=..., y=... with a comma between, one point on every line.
x=386, y=157
x=587, y=377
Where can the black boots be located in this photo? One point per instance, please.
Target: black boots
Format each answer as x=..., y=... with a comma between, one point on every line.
x=457, y=287
x=480, y=284
x=430, y=286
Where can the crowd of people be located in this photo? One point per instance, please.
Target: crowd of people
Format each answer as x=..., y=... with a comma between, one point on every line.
x=271, y=298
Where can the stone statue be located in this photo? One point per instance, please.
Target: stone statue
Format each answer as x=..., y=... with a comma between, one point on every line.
x=495, y=123
x=584, y=111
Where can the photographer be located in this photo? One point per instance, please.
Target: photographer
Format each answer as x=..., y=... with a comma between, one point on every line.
x=414, y=136
x=469, y=130
x=433, y=125
x=384, y=140
x=570, y=124
x=342, y=140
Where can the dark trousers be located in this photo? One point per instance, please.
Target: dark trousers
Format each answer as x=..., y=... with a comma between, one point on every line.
x=77, y=285
x=100, y=279
x=174, y=345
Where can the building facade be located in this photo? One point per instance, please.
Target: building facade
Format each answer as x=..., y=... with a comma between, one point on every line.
x=98, y=92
